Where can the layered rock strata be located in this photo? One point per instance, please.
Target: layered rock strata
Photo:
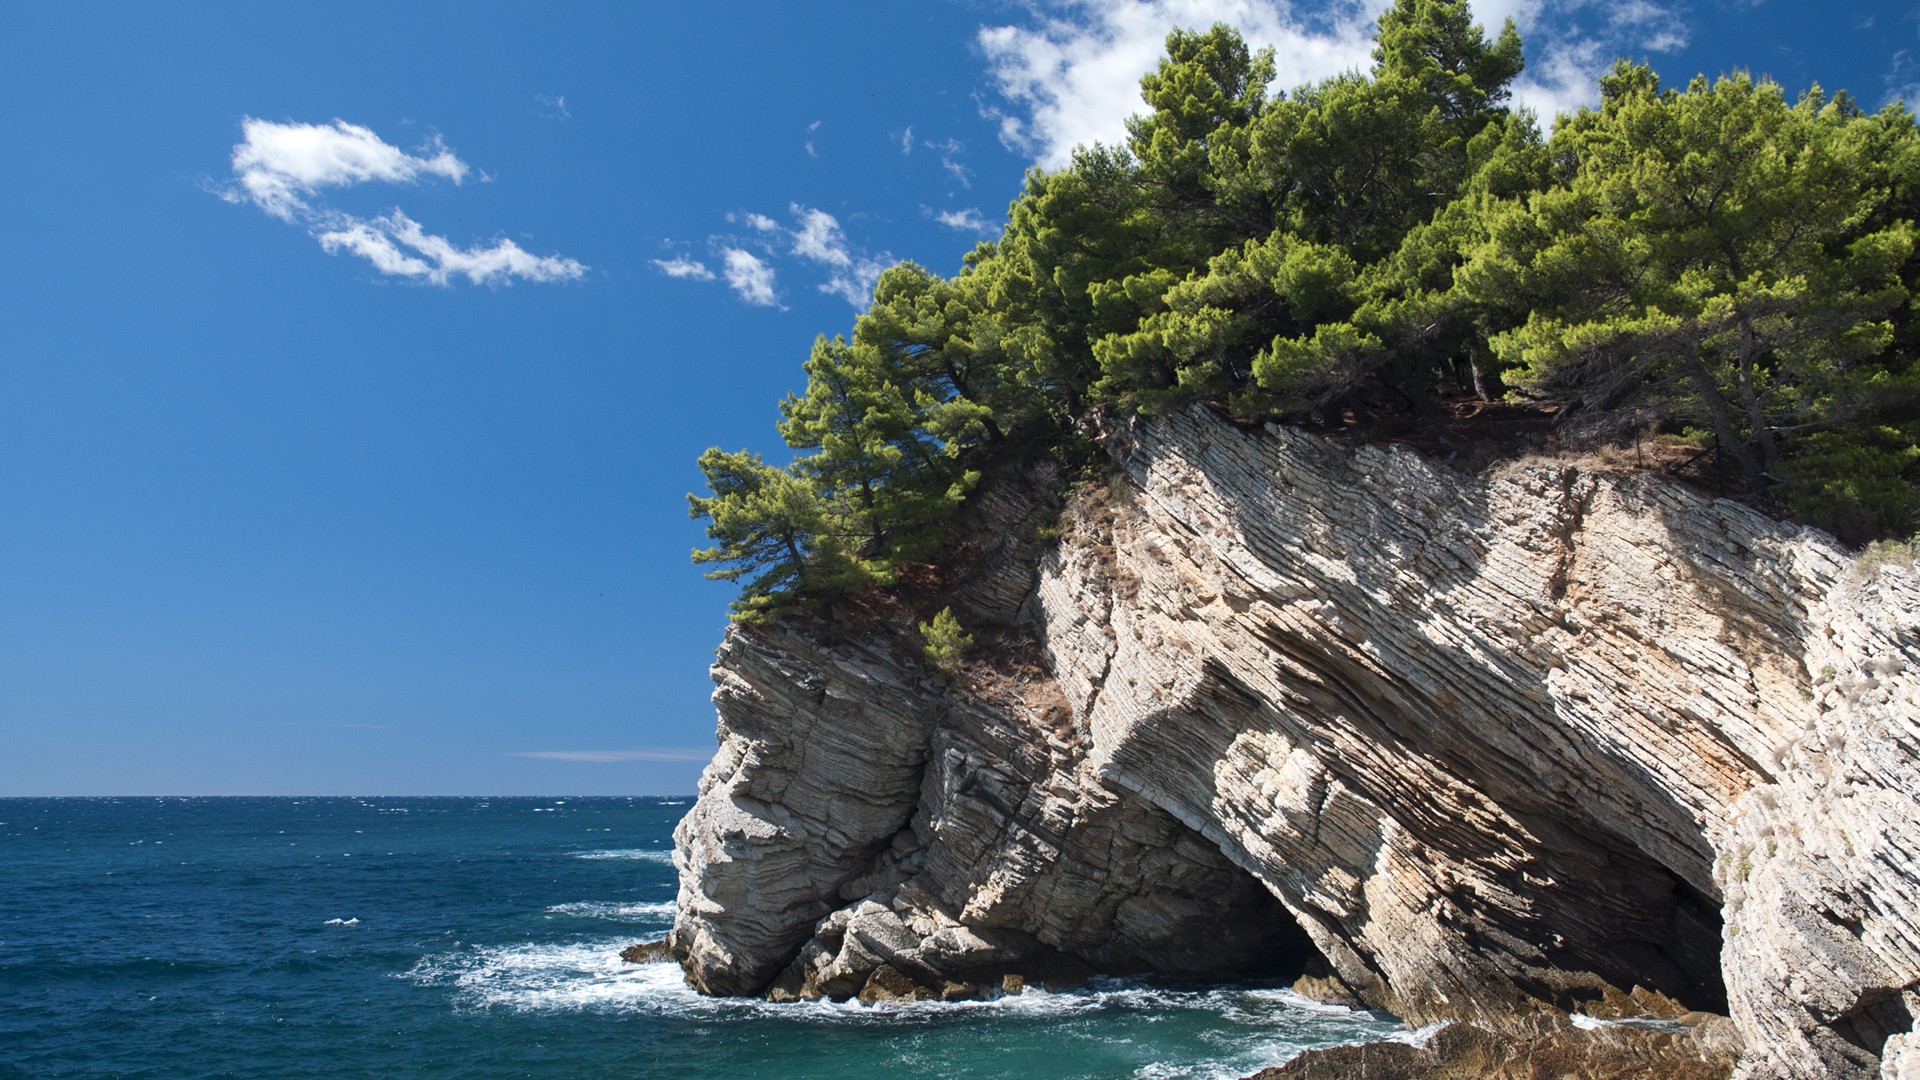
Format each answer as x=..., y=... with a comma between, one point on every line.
x=1484, y=749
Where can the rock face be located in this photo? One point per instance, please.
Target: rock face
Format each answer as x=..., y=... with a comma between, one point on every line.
x=1483, y=749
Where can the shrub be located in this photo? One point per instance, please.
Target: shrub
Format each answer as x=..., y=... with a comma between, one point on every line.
x=946, y=643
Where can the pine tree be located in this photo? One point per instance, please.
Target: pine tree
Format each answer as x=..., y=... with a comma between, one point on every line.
x=773, y=533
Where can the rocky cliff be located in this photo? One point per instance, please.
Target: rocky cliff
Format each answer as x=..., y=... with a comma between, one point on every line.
x=1476, y=748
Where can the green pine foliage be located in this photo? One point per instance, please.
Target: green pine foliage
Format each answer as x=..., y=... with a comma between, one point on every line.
x=1713, y=259
x=946, y=643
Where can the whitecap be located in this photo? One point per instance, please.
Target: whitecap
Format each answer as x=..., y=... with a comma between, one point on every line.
x=580, y=976
x=589, y=976
x=659, y=855
x=1589, y=1023
x=660, y=911
x=355, y=921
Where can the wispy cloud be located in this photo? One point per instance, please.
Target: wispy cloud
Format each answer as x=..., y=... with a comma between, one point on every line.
x=684, y=267
x=749, y=277
x=397, y=245
x=949, y=152
x=554, y=107
x=969, y=220
x=819, y=237
x=1902, y=82
x=906, y=141
x=613, y=756
x=811, y=128
x=1070, y=75
x=284, y=168
x=757, y=222
x=813, y=243
x=855, y=284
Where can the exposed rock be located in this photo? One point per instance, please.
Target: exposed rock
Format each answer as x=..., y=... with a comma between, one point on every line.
x=947, y=836
x=1499, y=747
x=1559, y=1050
x=820, y=761
x=648, y=952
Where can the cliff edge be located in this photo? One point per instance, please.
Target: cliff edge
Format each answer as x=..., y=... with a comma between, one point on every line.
x=1488, y=749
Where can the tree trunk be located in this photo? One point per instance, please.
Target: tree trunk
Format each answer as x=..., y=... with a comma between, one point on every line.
x=1750, y=401
x=1716, y=402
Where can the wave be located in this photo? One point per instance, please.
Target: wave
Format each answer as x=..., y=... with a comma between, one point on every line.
x=589, y=974
x=1210, y=1033
x=355, y=921
x=660, y=911
x=586, y=976
x=659, y=855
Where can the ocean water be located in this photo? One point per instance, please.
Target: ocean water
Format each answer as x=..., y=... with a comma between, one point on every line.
x=479, y=938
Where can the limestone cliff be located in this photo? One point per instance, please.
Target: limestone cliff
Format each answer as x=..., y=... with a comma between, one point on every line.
x=1469, y=748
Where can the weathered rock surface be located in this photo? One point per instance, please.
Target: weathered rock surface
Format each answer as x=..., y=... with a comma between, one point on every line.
x=1561, y=1050
x=1498, y=747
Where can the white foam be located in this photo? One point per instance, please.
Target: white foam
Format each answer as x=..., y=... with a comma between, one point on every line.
x=659, y=855
x=654, y=912
x=1418, y=1036
x=589, y=976
x=581, y=976
x=1589, y=1023
x=355, y=921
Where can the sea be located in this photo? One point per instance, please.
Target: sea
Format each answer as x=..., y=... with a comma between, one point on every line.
x=480, y=938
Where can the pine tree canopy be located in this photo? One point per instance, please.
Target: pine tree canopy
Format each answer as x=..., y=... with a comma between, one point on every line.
x=1717, y=263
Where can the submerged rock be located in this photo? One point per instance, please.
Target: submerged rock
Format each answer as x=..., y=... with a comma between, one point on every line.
x=1487, y=749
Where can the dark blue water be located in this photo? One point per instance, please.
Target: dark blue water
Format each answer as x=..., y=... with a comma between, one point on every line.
x=463, y=937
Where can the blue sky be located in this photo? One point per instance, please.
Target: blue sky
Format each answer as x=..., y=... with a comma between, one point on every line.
x=354, y=359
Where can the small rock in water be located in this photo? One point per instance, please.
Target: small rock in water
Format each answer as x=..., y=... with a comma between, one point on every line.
x=647, y=952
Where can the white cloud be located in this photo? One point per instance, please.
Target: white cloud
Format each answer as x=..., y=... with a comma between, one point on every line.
x=906, y=141
x=1566, y=55
x=279, y=166
x=968, y=220
x=855, y=283
x=1071, y=76
x=814, y=243
x=612, y=756
x=749, y=277
x=1076, y=75
x=819, y=237
x=683, y=267
x=554, y=106
x=282, y=168
x=376, y=246
x=434, y=258
x=757, y=221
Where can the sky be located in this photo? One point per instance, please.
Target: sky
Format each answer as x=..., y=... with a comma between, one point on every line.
x=354, y=359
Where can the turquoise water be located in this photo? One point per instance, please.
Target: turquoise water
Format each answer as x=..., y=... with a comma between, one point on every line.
x=478, y=938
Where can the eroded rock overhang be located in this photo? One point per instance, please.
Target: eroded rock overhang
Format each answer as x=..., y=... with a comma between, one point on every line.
x=1542, y=739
